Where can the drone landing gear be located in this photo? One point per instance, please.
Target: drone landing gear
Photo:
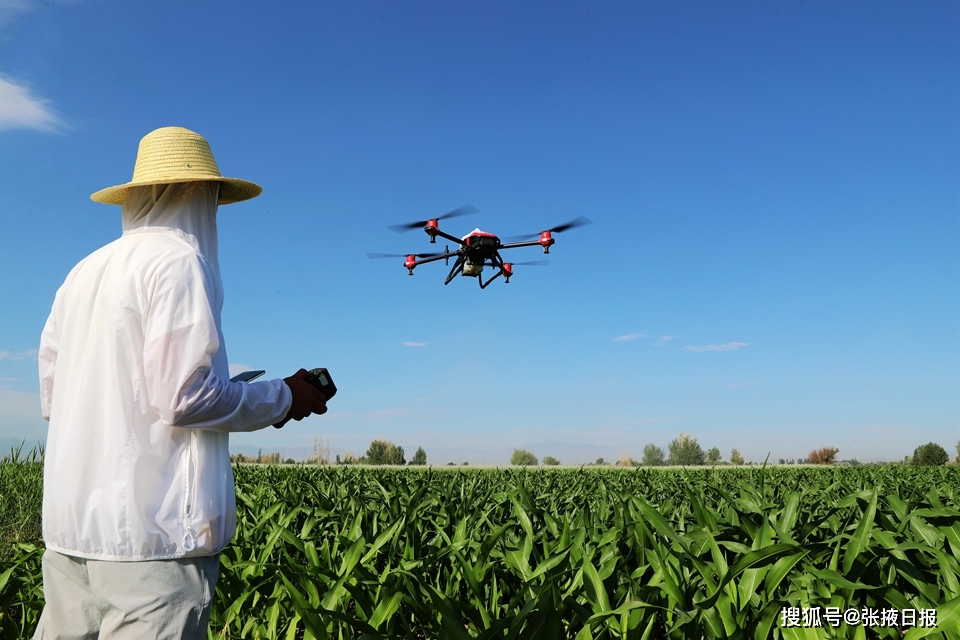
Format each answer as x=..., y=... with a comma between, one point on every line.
x=456, y=270
x=483, y=285
x=497, y=263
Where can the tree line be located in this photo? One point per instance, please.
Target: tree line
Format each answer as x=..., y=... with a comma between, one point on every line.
x=684, y=450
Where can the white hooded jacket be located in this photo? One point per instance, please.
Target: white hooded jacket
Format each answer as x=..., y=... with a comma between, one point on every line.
x=134, y=381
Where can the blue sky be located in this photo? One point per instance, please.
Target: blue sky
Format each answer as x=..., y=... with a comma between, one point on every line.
x=774, y=263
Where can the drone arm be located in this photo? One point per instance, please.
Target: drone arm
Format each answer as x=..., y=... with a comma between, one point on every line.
x=545, y=241
x=514, y=245
x=433, y=259
x=437, y=232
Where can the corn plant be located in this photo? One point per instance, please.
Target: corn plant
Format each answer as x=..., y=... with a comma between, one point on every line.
x=361, y=552
x=380, y=553
x=21, y=495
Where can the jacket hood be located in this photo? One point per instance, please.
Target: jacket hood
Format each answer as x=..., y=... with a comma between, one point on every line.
x=190, y=207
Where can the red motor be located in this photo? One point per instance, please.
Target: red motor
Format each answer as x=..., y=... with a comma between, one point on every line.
x=431, y=230
x=546, y=239
x=410, y=262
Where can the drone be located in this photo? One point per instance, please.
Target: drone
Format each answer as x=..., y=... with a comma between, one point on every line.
x=477, y=250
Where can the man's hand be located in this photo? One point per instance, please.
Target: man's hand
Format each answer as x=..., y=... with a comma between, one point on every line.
x=307, y=399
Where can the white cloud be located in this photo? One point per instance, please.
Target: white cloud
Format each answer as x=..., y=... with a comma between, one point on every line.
x=18, y=355
x=629, y=336
x=413, y=344
x=730, y=346
x=662, y=340
x=10, y=8
x=740, y=384
x=20, y=109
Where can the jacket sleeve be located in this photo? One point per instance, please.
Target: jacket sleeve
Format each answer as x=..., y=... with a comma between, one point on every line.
x=49, y=346
x=180, y=342
x=212, y=402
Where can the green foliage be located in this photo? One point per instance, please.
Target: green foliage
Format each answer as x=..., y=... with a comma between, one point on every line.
x=550, y=461
x=21, y=545
x=604, y=552
x=653, y=456
x=380, y=552
x=735, y=457
x=713, y=456
x=384, y=452
x=686, y=451
x=930, y=454
x=21, y=498
x=419, y=458
x=523, y=458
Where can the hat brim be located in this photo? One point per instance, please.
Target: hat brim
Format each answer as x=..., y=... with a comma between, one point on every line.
x=231, y=189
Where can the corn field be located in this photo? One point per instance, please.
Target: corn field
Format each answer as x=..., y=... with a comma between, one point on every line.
x=367, y=552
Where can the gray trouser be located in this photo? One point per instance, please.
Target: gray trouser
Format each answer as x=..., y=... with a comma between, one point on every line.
x=157, y=599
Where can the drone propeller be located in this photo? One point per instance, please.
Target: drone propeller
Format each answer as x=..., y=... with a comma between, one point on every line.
x=576, y=222
x=403, y=255
x=465, y=210
x=529, y=263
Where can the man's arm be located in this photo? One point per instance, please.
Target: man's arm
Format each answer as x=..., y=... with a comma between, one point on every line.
x=181, y=340
x=207, y=401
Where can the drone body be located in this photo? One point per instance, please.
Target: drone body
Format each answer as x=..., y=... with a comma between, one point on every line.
x=477, y=250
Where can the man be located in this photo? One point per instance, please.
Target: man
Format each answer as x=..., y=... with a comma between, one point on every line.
x=138, y=491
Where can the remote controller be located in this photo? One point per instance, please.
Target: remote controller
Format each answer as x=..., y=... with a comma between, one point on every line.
x=319, y=378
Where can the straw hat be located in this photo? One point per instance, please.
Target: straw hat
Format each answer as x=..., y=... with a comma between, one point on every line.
x=175, y=154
